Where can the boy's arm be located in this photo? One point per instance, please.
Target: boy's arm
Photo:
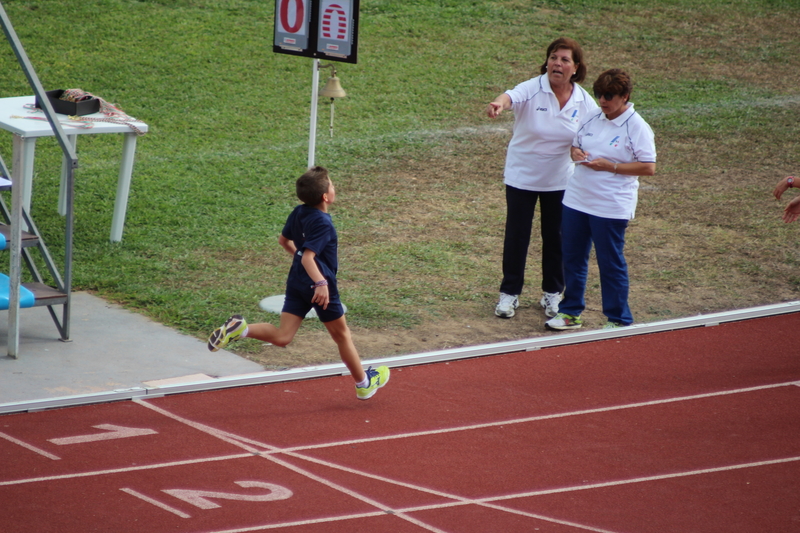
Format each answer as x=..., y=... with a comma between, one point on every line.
x=287, y=244
x=321, y=296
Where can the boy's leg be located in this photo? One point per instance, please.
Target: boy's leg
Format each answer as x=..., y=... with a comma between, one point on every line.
x=235, y=327
x=374, y=378
x=340, y=334
x=279, y=336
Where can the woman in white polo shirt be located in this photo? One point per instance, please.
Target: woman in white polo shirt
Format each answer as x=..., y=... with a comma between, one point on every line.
x=617, y=146
x=547, y=111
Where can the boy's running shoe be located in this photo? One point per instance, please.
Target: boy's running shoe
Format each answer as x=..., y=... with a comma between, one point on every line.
x=549, y=303
x=506, y=305
x=564, y=321
x=231, y=330
x=377, y=379
x=613, y=325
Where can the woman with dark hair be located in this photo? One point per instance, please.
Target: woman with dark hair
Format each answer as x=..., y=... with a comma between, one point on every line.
x=611, y=150
x=547, y=110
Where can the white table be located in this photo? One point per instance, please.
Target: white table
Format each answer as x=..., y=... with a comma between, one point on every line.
x=26, y=131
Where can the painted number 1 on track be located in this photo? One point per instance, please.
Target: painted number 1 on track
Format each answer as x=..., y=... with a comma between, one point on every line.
x=111, y=432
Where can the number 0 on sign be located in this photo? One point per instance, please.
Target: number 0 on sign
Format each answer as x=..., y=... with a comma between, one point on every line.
x=292, y=18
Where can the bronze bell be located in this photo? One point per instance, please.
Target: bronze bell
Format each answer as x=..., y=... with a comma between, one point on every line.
x=333, y=89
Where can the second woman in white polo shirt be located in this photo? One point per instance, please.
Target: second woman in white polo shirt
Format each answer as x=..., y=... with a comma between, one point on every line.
x=612, y=149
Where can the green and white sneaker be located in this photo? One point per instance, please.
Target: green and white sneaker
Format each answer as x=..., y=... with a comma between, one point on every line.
x=377, y=379
x=613, y=325
x=230, y=331
x=564, y=321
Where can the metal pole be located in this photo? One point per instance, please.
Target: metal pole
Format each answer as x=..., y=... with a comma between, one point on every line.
x=71, y=162
x=331, y=118
x=15, y=273
x=33, y=81
x=312, y=134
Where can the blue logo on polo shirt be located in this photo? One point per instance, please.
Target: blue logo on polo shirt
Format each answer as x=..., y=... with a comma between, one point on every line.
x=574, y=118
x=541, y=109
x=614, y=142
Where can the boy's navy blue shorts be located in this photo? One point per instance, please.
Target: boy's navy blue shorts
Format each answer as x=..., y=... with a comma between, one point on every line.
x=298, y=302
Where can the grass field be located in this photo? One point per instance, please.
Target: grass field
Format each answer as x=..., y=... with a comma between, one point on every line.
x=418, y=166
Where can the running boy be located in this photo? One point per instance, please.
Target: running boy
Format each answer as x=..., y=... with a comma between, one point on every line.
x=310, y=238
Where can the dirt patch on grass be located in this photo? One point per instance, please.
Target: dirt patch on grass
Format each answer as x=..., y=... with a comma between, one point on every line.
x=694, y=248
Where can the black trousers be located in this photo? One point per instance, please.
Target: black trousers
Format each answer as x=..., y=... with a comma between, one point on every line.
x=520, y=206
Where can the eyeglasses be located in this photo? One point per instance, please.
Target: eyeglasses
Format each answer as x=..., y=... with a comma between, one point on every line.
x=607, y=96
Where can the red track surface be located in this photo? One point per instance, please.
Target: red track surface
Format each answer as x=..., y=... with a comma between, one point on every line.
x=693, y=430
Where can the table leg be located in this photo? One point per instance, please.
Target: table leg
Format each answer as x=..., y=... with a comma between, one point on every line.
x=123, y=186
x=15, y=272
x=62, y=187
x=22, y=168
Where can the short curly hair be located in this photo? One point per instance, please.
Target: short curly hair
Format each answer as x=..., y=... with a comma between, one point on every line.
x=614, y=81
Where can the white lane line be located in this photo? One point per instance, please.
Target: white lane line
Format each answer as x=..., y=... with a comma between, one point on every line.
x=434, y=492
x=157, y=503
x=488, y=502
x=312, y=521
x=29, y=447
x=230, y=438
x=241, y=442
x=645, y=479
x=237, y=440
x=531, y=418
x=269, y=452
x=352, y=493
x=128, y=469
x=458, y=500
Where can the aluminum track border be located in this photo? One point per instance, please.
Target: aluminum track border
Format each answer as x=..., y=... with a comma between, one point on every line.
x=297, y=374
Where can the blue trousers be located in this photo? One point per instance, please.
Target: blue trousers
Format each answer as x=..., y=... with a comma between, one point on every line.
x=579, y=231
x=520, y=205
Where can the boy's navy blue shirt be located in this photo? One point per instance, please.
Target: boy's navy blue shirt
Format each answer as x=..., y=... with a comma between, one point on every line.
x=312, y=229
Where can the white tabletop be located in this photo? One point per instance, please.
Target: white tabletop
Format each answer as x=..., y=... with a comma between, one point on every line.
x=26, y=127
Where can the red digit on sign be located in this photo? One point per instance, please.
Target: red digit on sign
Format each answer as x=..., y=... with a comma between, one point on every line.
x=299, y=15
x=334, y=20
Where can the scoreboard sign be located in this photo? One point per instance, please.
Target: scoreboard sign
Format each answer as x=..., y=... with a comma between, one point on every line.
x=325, y=29
x=292, y=22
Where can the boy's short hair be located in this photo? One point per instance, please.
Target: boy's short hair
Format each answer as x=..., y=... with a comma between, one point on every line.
x=312, y=185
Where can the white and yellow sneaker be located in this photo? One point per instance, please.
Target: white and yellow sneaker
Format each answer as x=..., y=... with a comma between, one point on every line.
x=377, y=379
x=231, y=330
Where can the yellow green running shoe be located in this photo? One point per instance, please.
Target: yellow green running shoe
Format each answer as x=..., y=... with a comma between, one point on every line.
x=377, y=379
x=564, y=321
x=231, y=330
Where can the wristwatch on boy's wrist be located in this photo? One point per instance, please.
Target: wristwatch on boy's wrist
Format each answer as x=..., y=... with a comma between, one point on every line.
x=790, y=181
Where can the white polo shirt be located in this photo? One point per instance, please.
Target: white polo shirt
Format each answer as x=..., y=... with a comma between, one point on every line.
x=626, y=139
x=538, y=156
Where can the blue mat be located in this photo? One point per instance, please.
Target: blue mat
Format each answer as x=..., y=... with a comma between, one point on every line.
x=26, y=298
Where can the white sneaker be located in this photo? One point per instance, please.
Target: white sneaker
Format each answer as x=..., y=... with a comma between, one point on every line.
x=506, y=305
x=550, y=303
